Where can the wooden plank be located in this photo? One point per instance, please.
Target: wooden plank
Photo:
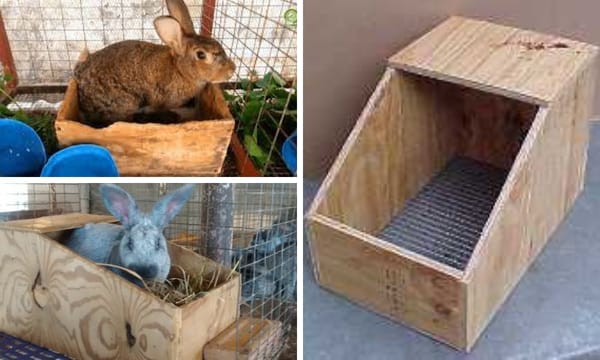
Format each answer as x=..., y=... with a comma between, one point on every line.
x=491, y=127
x=395, y=286
x=192, y=148
x=215, y=311
x=6, y=58
x=402, y=138
x=546, y=178
x=516, y=63
x=247, y=339
x=62, y=301
x=53, y=223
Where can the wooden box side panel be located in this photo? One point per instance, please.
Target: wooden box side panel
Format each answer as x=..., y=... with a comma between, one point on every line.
x=491, y=127
x=541, y=188
x=208, y=316
x=404, y=136
x=397, y=287
x=247, y=339
x=59, y=300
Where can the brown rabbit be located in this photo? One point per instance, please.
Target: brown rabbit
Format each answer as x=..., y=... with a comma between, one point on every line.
x=133, y=77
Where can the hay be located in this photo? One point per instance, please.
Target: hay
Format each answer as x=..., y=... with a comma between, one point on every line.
x=181, y=287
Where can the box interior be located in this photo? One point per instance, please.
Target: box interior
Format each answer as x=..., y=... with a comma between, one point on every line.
x=425, y=164
x=209, y=104
x=192, y=263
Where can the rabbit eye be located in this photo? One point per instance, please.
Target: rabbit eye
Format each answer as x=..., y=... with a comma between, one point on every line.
x=201, y=55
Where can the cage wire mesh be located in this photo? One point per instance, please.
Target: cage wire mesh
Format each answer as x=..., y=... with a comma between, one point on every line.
x=47, y=36
x=26, y=201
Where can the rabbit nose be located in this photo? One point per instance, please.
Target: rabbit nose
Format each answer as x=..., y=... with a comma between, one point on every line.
x=146, y=271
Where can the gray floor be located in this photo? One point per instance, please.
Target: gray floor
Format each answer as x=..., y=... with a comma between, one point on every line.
x=554, y=312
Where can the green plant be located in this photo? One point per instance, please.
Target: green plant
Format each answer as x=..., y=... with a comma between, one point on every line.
x=264, y=108
x=42, y=123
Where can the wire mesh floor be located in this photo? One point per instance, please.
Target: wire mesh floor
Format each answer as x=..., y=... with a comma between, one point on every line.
x=444, y=220
x=14, y=348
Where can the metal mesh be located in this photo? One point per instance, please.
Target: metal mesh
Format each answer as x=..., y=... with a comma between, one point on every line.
x=263, y=247
x=261, y=40
x=12, y=348
x=26, y=201
x=444, y=220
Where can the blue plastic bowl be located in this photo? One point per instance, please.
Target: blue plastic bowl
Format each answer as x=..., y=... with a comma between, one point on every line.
x=289, y=153
x=22, y=152
x=81, y=160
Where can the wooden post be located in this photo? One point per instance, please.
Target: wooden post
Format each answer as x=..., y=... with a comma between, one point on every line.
x=6, y=57
x=208, y=17
x=218, y=217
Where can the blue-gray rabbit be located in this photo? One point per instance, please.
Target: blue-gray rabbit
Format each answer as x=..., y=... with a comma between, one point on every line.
x=138, y=243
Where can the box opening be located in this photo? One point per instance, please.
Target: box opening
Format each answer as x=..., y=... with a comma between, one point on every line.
x=190, y=277
x=426, y=164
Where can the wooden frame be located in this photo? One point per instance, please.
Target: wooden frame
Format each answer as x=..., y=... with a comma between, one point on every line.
x=508, y=97
x=192, y=148
x=62, y=301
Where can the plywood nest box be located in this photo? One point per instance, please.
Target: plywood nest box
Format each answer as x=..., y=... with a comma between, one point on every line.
x=57, y=299
x=467, y=157
x=191, y=148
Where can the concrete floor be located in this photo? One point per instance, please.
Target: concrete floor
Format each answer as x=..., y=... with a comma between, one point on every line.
x=553, y=313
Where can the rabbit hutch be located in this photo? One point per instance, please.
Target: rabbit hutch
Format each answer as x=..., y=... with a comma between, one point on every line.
x=467, y=157
x=244, y=127
x=239, y=237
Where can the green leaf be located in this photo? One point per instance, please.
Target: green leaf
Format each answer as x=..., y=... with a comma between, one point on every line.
x=280, y=93
x=279, y=80
x=255, y=151
x=246, y=84
x=256, y=95
x=251, y=112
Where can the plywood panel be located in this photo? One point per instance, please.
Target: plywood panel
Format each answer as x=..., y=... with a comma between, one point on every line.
x=48, y=224
x=247, y=339
x=405, y=135
x=58, y=300
x=215, y=310
x=396, y=286
x=499, y=59
x=541, y=188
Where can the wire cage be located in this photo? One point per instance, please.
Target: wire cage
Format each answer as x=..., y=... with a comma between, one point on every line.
x=47, y=37
x=260, y=225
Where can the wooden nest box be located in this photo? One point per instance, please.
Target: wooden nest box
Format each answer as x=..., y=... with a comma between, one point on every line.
x=60, y=300
x=190, y=148
x=465, y=160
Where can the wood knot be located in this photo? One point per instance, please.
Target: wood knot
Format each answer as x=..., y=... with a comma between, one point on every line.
x=443, y=310
x=130, y=337
x=39, y=291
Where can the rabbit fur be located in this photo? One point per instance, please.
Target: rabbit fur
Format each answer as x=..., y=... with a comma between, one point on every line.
x=132, y=77
x=138, y=243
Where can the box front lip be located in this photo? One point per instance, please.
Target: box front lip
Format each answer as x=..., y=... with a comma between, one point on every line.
x=386, y=246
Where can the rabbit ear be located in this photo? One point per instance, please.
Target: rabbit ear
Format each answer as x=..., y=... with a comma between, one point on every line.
x=180, y=12
x=119, y=203
x=170, y=32
x=169, y=205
